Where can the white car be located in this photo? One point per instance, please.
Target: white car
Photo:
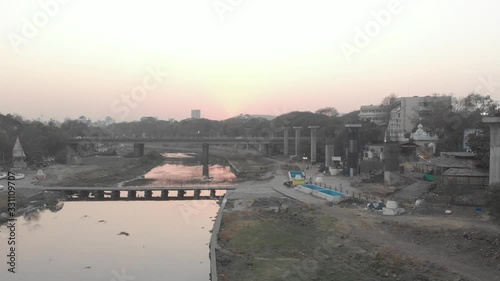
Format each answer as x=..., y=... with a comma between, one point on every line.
x=19, y=176
x=3, y=176
x=1, y=187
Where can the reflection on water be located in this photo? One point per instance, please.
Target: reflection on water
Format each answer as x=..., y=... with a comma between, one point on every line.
x=165, y=241
x=185, y=169
x=173, y=174
x=178, y=155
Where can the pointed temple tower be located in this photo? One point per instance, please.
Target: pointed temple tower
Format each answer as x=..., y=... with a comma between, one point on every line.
x=18, y=156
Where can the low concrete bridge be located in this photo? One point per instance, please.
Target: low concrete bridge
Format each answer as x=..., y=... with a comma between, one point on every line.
x=209, y=140
x=134, y=193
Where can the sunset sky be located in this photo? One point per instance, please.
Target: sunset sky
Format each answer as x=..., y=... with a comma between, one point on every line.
x=128, y=59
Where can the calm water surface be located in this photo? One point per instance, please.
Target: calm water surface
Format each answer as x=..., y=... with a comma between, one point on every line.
x=167, y=241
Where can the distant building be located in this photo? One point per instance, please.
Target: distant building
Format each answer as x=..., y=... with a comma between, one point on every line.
x=406, y=114
x=196, y=114
x=18, y=156
x=372, y=113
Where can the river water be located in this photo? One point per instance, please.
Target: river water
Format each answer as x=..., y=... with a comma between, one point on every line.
x=115, y=241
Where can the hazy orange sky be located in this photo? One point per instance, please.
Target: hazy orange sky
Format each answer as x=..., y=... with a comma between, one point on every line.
x=128, y=59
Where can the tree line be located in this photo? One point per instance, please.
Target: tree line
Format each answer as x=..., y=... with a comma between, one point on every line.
x=40, y=139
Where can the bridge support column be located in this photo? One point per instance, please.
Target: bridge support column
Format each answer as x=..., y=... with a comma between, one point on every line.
x=285, y=141
x=197, y=194
x=205, y=160
x=99, y=194
x=138, y=149
x=494, y=124
x=164, y=194
x=314, y=131
x=148, y=194
x=353, y=150
x=132, y=194
x=180, y=193
x=269, y=149
x=83, y=194
x=115, y=194
x=297, y=142
x=212, y=193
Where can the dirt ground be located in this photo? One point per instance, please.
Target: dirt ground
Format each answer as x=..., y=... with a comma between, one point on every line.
x=283, y=239
x=273, y=237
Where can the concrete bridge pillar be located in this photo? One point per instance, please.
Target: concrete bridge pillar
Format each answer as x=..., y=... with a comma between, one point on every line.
x=138, y=149
x=148, y=194
x=269, y=149
x=297, y=141
x=180, y=193
x=164, y=194
x=197, y=194
x=132, y=194
x=285, y=141
x=205, y=160
x=494, y=124
x=314, y=132
x=329, y=152
x=391, y=163
x=212, y=193
x=83, y=194
x=115, y=194
x=353, y=149
x=99, y=194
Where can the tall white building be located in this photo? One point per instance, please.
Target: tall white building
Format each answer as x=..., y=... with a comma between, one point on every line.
x=195, y=113
x=372, y=113
x=407, y=113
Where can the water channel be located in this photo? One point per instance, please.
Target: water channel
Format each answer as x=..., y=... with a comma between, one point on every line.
x=120, y=240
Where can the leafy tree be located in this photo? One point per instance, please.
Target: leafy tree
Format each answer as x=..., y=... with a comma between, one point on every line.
x=328, y=111
x=480, y=145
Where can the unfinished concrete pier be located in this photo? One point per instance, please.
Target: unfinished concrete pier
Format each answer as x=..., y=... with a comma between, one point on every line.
x=494, y=125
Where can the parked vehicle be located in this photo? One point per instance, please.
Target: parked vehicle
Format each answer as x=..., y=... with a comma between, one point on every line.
x=19, y=176
x=3, y=176
x=1, y=187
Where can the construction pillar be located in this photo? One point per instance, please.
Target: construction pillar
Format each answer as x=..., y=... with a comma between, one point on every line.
x=391, y=163
x=148, y=194
x=494, y=124
x=197, y=194
x=297, y=141
x=353, y=148
x=328, y=155
x=212, y=193
x=285, y=141
x=314, y=132
x=205, y=160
